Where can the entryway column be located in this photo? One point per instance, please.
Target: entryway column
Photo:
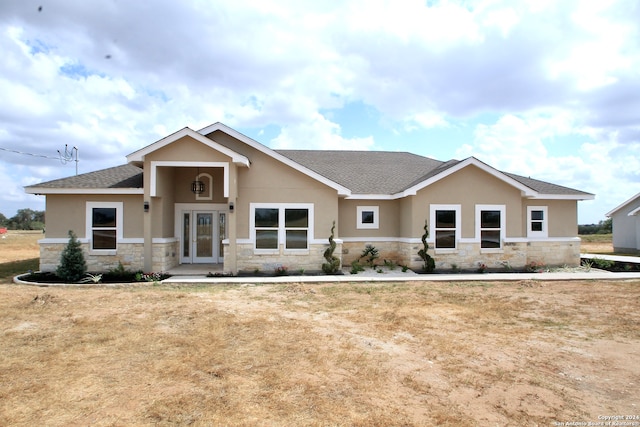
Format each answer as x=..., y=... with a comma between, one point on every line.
x=231, y=259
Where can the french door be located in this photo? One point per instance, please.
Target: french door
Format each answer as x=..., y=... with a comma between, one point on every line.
x=201, y=238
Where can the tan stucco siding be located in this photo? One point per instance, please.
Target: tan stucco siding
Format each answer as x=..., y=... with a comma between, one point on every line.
x=270, y=181
x=469, y=187
x=562, y=216
x=388, y=221
x=186, y=149
x=68, y=212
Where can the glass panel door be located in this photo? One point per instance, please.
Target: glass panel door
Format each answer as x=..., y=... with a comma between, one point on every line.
x=222, y=234
x=203, y=239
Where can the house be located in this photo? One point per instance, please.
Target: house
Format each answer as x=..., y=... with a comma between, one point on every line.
x=625, y=220
x=216, y=196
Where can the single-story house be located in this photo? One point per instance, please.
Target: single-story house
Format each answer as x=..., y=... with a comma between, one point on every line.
x=216, y=196
x=625, y=220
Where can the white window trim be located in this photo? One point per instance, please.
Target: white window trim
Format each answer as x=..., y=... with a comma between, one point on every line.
x=503, y=222
x=89, y=225
x=376, y=217
x=432, y=226
x=208, y=186
x=281, y=226
x=545, y=222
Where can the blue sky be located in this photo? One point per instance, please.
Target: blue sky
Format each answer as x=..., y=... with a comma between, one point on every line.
x=547, y=89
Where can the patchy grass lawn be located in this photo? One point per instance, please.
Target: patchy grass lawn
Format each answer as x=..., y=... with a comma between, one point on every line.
x=596, y=243
x=527, y=353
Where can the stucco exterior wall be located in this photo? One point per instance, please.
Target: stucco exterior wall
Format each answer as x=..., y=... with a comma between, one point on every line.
x=67, y=212
x=389, y=218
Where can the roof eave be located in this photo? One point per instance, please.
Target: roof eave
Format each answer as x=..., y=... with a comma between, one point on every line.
x=46, y=190
x=622, y=205
x=342, y=190
x=563, y=196
x=137, y=157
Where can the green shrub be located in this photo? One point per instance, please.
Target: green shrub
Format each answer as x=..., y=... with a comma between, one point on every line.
x=72, y=264
x=333, y=263
x=370, y=254
x=429, y=263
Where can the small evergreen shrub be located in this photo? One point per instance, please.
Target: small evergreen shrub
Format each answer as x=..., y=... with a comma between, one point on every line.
x=370, y=254
x=333, y=263
x=428, y=263
x=72, y=266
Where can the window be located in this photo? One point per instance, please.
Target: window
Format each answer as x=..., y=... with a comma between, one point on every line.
x=275, y=225
x=104, y=225
x=490, y=225
x=537, y=221
x=445, y=226
x=368, y=217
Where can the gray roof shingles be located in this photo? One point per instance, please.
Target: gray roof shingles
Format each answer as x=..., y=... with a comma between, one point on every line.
x=124, y=176
x=363, y=172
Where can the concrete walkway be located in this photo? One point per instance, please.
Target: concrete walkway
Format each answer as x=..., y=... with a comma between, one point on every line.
x=619, y=258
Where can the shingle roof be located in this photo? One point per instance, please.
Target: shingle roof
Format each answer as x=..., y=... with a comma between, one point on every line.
x=543, y=187
x=366, y=172
x=362, y=172
x=124, y=176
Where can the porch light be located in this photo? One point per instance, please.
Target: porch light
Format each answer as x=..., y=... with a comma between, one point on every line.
x=197, y=186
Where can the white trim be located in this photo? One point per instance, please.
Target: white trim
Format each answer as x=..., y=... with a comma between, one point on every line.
x=622, y=205
x=634, y=212
x=503, y=222
x=44, y=190
x=138, y=156
x=164, y=163
x=432, y=224
x=342, y=191
x=376, y=217
x=373, y=197
x=563, y=197
x=526, y=191
x=281, y=226
x=411, y=240
x=545, y=222
x=208, y=188
x=119, y=207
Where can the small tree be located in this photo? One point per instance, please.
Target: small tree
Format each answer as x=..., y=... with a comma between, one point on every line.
x=72, y=264
x=428, y=263
x=333, y=263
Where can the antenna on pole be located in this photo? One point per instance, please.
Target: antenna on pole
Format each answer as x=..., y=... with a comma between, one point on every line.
x=68, y=156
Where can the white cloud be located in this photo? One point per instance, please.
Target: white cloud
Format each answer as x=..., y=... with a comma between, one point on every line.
x=321, y=134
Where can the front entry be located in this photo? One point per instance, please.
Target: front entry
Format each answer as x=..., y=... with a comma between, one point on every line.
x=201, y=237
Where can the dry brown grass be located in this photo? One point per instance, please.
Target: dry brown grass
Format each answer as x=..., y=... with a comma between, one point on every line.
x=19, y=245
x=522, y=353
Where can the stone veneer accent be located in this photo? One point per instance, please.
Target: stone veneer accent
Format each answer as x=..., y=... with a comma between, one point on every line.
x=467, y=256
x=310, y=260
x=131, y=255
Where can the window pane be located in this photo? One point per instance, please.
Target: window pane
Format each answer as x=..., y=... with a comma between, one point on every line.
x=536, y=226
x=104, y=217
x=104, y=239
x=296, y=217
x=296, y=239
x=367, y=217
x=445, y=239
x=537, y=215
x=266, y=217
x=445, y=219
x=490, y=219
x=266, y=239
x=490, y=239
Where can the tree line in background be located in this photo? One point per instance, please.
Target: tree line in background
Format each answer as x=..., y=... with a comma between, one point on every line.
x=602, y=227
x=25, y=219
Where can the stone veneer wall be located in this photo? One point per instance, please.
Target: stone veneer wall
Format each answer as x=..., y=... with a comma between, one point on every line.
x=131, y=255
x=516, y=255
x=164, y=256
x=310, y=260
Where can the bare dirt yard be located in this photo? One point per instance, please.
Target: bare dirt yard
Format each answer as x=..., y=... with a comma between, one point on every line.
x=527, y=353
x=407, y=354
